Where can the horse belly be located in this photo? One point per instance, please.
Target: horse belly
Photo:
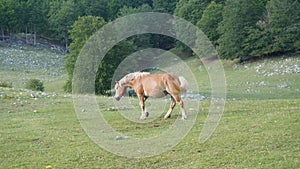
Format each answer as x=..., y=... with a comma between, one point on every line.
x=154, y=87
x=157, y=93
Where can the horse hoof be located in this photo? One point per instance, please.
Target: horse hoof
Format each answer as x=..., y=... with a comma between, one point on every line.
x=183, y=118
x=147, y=114
x=167, y=117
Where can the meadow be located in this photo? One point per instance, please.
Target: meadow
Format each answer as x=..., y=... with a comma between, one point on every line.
x=259, y=127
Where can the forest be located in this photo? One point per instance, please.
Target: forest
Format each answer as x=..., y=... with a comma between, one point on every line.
x=239, y=29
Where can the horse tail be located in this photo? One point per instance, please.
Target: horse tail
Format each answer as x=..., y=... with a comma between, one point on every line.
x=183, y=84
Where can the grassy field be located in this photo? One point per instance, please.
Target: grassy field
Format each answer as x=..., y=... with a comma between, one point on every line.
x=259, y=127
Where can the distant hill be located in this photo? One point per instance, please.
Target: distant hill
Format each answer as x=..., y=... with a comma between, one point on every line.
x=18, y=63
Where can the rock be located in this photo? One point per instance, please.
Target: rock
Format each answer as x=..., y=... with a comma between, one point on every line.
x=32, y=95
x=282, y=86
x=121, y=137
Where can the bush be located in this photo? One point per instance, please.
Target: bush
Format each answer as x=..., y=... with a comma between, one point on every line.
x=34, y=84
x=6, y=84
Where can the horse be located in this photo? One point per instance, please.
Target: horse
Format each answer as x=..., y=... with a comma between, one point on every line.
x=156, y=86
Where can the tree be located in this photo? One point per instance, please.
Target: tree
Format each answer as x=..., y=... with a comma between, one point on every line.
x=81, y=30
x=6, y=11
x=109, y=64
x=33, y=17
x=94, y=8
x=277, y=31
x=191, y=10
x=10, y=16
x=284, y=23
x=62, y=15
x=165, y=6
x=210, y=20
x=238, y=16
x=127, y=10
x=141, y=41
x=114, y=6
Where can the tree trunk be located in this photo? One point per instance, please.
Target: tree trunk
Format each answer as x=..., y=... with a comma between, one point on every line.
x=2, y=33
x=66, y=40
x=26, y=31
x=34, y=36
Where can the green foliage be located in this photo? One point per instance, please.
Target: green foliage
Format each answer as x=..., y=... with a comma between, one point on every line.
x=165, y=6
x=62, y=15
x=127, y=10
x=191, y=10
x=10, y=15
x=34, y=84
x=81, y=30
x=141, y=41
x=245, y=28
x=237, y=17
x=277, y=31
x=114, y=6
x=210, y=20
x=33, y=16
x=6, y=84
x=109, y=64
x=94, y=8
x=257, y=42
x=284, y=22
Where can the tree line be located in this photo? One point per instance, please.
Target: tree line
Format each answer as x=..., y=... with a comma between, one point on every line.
x=240, y=29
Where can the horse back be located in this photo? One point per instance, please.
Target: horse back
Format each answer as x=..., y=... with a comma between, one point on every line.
x=167, y=81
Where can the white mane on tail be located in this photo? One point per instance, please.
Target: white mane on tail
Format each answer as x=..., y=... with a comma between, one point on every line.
x=133, y=75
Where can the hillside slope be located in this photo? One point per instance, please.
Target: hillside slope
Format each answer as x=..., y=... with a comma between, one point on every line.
x=270, y=78
x=21, y=63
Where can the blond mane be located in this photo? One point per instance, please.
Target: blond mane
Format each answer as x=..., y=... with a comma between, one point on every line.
x=132, y=76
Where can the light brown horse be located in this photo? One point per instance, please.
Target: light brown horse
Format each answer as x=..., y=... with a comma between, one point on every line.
x=153, y=85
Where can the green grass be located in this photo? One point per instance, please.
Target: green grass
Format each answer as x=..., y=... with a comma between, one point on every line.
x=259, y=127
x=251, y=134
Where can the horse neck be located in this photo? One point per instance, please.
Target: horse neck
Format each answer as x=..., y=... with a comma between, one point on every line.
x=126, y=83
x=133, y=77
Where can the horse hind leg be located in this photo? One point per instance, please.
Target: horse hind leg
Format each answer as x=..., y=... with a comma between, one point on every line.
x=172, y=105
x=180, y=102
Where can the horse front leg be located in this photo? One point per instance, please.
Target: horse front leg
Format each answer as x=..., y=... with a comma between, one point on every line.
x=144, y=113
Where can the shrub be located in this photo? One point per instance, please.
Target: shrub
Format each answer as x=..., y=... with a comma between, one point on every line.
x=34, y=84
x=6, y=84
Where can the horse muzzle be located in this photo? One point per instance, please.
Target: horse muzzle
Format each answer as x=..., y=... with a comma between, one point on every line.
x=117, y=98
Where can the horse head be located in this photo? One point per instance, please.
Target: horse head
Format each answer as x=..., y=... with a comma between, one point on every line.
x=120, y=90
x=127, y=81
